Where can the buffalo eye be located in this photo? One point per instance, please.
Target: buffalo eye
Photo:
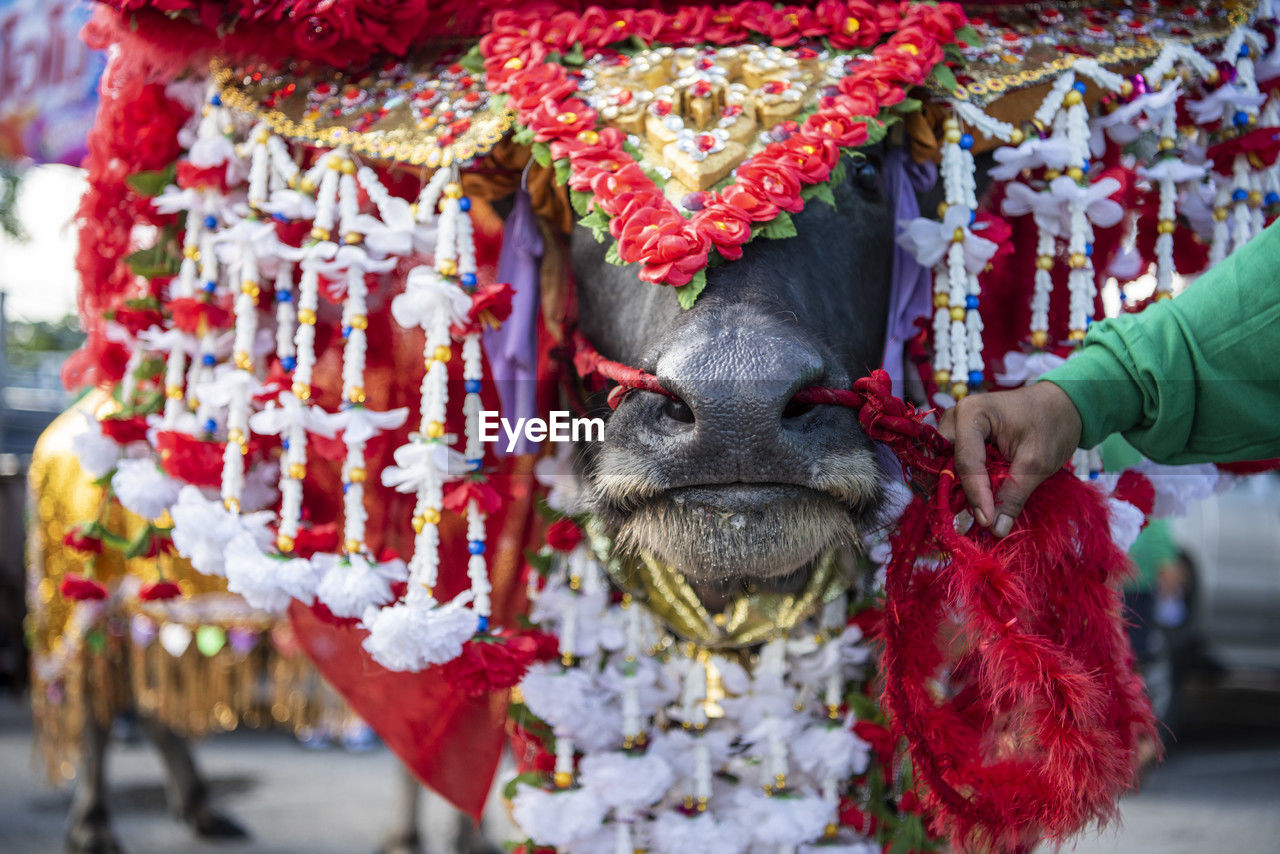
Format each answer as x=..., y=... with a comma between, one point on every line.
x=864, y=173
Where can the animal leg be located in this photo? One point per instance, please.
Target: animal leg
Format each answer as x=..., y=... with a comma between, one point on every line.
x=406, y=838
x=188, y=795
x=89, y=826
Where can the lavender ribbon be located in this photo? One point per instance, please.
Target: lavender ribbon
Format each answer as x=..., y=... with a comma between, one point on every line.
x=910, y=284
x=512, y=348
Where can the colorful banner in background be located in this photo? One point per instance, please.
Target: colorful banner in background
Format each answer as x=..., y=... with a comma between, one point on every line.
x=48, y=80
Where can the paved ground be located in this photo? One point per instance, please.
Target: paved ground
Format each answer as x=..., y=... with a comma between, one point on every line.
x=1219, y=791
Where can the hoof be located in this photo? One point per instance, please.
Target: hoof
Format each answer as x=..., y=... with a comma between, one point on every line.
x=92, y=839
x=210, y=824
x=407, y=844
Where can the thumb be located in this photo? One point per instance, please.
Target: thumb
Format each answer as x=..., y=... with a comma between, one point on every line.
x=1024, y=477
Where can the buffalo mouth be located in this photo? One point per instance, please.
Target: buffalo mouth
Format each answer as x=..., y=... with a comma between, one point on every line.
x=725, y=533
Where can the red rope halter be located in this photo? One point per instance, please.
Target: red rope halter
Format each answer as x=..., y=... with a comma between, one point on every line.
x=1036, y=735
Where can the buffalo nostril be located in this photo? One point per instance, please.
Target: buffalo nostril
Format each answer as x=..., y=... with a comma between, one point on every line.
x=795, y=409
x=677, y=410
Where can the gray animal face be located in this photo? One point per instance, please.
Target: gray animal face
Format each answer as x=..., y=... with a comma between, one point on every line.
x=734, y=481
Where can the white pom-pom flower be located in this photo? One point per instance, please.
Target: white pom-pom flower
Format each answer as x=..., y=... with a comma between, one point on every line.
x=143, y=488
x=558, y=818
x=674, y=833
x=786, y=819
x=624, y=781
x=351, y=584
x=830, y=751
x=413, y=635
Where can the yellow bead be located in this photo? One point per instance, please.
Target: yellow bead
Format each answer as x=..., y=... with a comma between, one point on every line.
x=284, y=543
x=1166, y=143
x=957, y=312
x=250, y=289
x=957, y=236
x=418, y=524
x=431, y=515
x=235, y=434
x=1072, y=99
x=1050, y=174
x=192, y=252
x=302, y=391
x=435, y=429
x=1165, y=226
x=831, y=830
x=589, y=137
x=347, y=167
x=352, y=547
x=1044, y=262
x=1016, y=137
x=1077, y=260
x=1171, y=74
x=306, y=185
x=953, y=135
x=942, y=209
x=1255, y=198
x=453, y=190
x=1039, y=339
x=1126, y=88
x=1160, y=295
x=442, y=354
x=447, y=267
x=232, y=504
x=941, y=300
x=173, y=392
x=306, y=316
x=351, y=238
x=319, y=233
x=359, y=321
x=242, y=360
x=563, y=779
x=515, y=63
x=1212, y=77
x=1219, y=214
x=1075, y=335
x=941, y=378
x=262, y=136
x=1075, y=173
x=356, y=395
x=297, y=471
x=357, y=475
x=959, y=390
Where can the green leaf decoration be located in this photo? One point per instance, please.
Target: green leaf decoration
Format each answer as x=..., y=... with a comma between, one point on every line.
x=968, y=36
x=210, y=640
x=945, y=78
x=876, y=131
x=97, y=641
x=822, y=192
x=687, y=294
x=542, y=154
x=907, y=106
x=537, y=779
x=779, y=228
x=575, y=56
x=580, y=201
x=541, y=563
x=524, y=136
x=613, y=257
x=598, y=223
x=562, y=171
x=472, y=60
x=154, y=262
x=141, y=541
x=152, y=184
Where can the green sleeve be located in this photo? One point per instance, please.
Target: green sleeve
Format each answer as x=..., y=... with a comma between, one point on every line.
x=1192, y=379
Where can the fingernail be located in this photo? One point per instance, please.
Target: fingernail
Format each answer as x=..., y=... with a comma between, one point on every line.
x=981, y=516
x=1004, y=524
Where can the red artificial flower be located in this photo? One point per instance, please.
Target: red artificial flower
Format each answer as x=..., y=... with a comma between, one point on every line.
x=596, y=28
x=137, y=319
x=608, y=141
x=316, y=538
x=909, y=801
x=852, y=817
x=1137, y=489
x=191, y=460
x=591, y=161
x=490, y=305
x=685, y=27
x=535, y=645
x=609, y=186
x=190, y=176
x=783, y=27
x=508, y=55
x=159, y=591
x=563, y=535
x=460, y=493
x=548, y=80
x=560, y=119
x=158, y=544
x=772, y=180
x=123, y=430
x=659, y=239
x=836, y=126
x=754, y=205
x=848, y=24
x=881, y=740
x=915, y=52
x=724, y=27
x=868, y=621
x=726, y=226
x=77, y=587
x=196, y=315
x=627, y=204
x=485, y=665
x=84, y=538
x=811, y=159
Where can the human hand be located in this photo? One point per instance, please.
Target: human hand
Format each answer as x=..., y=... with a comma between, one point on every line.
x=1036, y=428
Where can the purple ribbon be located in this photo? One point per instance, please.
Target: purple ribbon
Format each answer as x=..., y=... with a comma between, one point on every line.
x=512, y=348
x=911, y=285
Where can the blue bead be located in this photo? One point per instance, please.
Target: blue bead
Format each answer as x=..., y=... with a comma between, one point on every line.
x=975, y=378
x=1240, y=119
x=216, y=100
x=1244, y=51
x=210, y=426
x=210, y=287
x=1088, y=249
x=211, y=222
x=1078, y=86
x=1084, y=165
x=966, y=141
x=1088, y=321
x=468, y=279
x=279, y=217
x=284, y=443
x=476, y=547
x=345, y=487
x=208, y=360
x=464, y=204
x=1239, y=194
x=1272, y=198
x=472, y=386
x=284, y=296
x=288, y=363
x=474, y=463
x=1093, y=475
x=482, y=624
x=973, y=217
x=971, y=302
x=346, y=332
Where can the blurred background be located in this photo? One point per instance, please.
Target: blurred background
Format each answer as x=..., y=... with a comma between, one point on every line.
x=1205, y=605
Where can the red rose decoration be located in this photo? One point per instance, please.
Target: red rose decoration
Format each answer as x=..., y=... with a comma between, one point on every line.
x=659, y=239
x=879, y=737
x=563, y=535
x=840, y=130
x=459, y=494
x=547, y=80
x=561, y=120
x=84, y=538
x=124, y=430
x=80, y=589
x=490, y=305
x=137, y=319
x=773, y=181
x=316, y=538
x=851, y=816
x=485, y=665
x=535, y=645
x=195, y=315
x=849, y=24
x=189, y=459
x=726, y=226
x=755, y=206
x=159, y=591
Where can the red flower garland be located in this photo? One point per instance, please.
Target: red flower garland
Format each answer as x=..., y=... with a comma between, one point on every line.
x=649, y=229
x=80, y=588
